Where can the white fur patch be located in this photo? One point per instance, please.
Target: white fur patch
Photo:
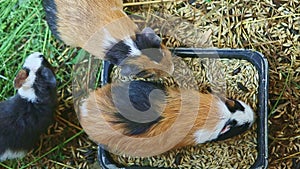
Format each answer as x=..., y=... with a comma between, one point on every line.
x=245, y=116
x=134, y=51
x=33, y=62
x=8, y=154
x=83, y=109
x=108, y=40
x=27, y=94
x=203, y=135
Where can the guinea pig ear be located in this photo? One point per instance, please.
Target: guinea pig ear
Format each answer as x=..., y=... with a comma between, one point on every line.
x=148, y=30
x=234, y=105
x=20, y=78
x=148, y=39
x=49, y=76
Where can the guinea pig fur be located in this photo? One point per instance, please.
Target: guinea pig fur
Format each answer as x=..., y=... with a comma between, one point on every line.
x=87, y=18
x=143, y=119
x=28, y=114
x=103, y=29
x=86, y=23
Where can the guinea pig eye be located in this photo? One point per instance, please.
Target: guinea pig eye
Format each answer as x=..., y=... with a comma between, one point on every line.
x=233, y=122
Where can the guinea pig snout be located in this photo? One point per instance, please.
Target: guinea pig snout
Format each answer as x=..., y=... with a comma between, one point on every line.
x=21, y=78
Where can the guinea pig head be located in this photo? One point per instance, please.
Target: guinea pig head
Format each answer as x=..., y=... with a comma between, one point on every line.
x=143, y=56
x=35, y=77
x=240, y=119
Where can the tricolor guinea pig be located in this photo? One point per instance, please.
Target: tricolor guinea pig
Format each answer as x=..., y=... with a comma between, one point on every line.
x=103, y=29
x=28, y=114
x=142, y=119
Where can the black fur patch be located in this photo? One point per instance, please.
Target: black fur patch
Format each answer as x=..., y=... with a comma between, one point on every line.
x=45, y=80
x=234, y=130
x=139, y=94
x=22, y=122
x=118, y=53
x=47, y=64
x=149, y=45
x=237, y=106
x=51, y=16
x=134, y=128
x=145, y=41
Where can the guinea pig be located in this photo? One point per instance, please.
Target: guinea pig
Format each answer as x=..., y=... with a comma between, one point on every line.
x=103, y=29
x=143, y=119
x=28, y=114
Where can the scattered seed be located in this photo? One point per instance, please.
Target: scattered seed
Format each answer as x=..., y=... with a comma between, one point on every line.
x=178, y=159
x=236, y=71
x=242, y=87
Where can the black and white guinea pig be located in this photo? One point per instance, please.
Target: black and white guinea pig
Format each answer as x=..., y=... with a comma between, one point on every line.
x=28, y=114
x=142, y=119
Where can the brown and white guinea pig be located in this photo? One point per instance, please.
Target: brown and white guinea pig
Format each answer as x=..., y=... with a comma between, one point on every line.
x=142, y=119
x=28, y=114
x=103, y=29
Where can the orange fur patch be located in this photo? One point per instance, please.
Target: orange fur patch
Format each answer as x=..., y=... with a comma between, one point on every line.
x=83, y=23
x=20, y=79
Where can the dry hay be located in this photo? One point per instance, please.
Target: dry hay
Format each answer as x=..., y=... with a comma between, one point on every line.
x=270, y=27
